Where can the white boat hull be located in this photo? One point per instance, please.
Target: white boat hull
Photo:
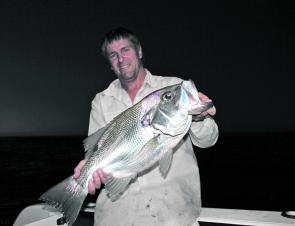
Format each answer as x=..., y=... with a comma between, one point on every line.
x=43, y=215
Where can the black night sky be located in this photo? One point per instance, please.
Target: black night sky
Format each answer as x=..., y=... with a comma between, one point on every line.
x=240, y=53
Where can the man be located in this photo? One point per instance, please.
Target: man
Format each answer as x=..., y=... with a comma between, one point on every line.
x=151, y=199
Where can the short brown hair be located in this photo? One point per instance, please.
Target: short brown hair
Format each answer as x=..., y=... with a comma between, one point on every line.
x=117, y=34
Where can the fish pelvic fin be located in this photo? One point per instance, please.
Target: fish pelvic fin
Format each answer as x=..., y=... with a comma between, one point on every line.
x=165, y=163
x=116, y=186
x=68, y=197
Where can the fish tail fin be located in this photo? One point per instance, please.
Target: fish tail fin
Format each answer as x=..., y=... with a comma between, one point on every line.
x=68, y=197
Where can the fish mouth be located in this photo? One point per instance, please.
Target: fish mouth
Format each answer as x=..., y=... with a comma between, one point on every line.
x=201, y=107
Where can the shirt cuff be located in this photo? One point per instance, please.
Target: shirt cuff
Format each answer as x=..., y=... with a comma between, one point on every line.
x=204, y=133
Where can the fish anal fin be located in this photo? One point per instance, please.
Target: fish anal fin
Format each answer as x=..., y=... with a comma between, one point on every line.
x=116, y=186
x=165, y=162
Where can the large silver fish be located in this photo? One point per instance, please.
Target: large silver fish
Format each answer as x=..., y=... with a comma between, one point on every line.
x=133, y=142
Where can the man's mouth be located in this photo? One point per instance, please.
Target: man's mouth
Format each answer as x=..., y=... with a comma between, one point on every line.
x=123, y=66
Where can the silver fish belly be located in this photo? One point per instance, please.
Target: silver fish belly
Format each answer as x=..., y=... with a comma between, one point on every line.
x=133, y=142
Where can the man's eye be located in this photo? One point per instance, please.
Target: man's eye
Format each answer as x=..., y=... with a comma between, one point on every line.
x=125, y=49
x=112, y=55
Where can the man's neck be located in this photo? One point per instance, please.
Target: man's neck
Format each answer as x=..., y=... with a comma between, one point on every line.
x=133, y=87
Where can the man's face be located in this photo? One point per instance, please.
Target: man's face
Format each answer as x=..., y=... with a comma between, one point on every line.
x=124, y=59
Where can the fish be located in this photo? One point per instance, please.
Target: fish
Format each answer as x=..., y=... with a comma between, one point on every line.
x=132, y=143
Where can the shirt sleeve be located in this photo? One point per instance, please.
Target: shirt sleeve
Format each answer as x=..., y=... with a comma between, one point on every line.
x=204, y=134
x=96, y=120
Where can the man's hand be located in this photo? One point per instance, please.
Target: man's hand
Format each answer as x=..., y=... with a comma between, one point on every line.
x=98, y=177
x=204, y=98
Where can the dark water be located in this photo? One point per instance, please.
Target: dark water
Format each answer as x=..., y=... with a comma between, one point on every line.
x=243, y=171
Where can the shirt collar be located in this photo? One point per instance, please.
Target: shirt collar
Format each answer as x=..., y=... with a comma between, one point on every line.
x=115, y=88
x=148, y=81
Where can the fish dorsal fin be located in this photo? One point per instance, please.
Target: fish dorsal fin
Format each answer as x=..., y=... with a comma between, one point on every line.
x=165, y=163
x=90, y=142
x=116, y=186
x=108, y=130
x=94, y=141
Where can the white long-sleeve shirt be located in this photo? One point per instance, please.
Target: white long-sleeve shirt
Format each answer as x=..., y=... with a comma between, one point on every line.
x=152, y=200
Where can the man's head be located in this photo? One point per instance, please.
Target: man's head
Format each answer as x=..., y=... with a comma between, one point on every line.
x=117, y=34
x=123, y=51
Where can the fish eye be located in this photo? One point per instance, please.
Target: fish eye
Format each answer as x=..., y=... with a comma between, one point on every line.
x=168, y=96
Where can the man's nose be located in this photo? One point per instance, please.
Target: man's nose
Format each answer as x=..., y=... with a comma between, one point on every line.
x=120, y=57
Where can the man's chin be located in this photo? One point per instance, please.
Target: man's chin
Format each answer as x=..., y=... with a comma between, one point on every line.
x=127, y=78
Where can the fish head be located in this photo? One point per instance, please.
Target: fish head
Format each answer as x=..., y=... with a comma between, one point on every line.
x=172, y=115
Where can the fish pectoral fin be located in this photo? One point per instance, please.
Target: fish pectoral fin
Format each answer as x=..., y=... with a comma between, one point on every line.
x=116, y=186
x=165, y=163
x=147, y=119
